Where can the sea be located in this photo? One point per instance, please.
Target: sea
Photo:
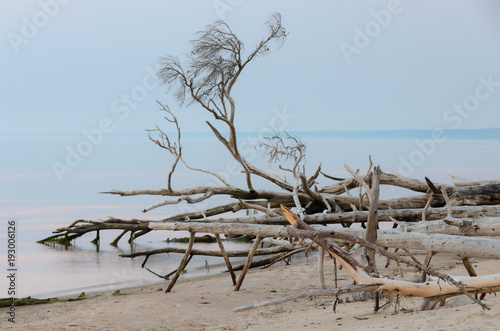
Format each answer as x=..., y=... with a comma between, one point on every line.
x=49, y=181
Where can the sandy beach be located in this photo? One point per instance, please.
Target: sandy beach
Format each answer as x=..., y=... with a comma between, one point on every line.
x=207, y=304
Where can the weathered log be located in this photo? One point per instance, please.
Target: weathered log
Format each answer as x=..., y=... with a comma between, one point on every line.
x=81, y=227
x=478, y=226
x=485, y=194
x=404, y=209
x=231, y=191
x=262, y=251
x=312, y=293
x=458, y=245
x=403, y=215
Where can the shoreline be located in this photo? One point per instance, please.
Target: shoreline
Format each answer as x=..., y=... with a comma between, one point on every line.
x=101, y=271
x=206, y=303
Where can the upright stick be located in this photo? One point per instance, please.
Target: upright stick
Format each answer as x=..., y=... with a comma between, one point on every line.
x=226, y=258
x=321, y=263
x=249, y=262
x=183, y=262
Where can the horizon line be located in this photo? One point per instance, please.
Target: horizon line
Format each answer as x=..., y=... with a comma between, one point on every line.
x=491, y=133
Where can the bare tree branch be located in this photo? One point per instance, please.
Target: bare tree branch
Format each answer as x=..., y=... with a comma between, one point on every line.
x=188, y=199
x=212, y=69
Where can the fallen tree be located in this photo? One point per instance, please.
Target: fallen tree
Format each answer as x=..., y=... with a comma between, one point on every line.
x=450, y=244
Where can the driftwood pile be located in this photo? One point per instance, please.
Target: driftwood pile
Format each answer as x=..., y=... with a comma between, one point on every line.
x=452, y=219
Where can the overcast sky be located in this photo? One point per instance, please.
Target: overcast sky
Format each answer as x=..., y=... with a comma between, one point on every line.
x=347, y=65
x=78, y=89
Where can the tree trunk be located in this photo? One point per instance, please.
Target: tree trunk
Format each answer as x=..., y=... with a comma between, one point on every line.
x=440, y=243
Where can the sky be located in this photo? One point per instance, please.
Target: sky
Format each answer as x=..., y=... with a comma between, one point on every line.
x=80, y=76
x=347, y=65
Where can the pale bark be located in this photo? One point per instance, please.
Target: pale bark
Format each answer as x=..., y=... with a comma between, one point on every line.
x=458, y=245
x=80, y=227
x=240, y=253
x=321, y=270
x=479, y=226
x=445, y=285
x=372, y=224
x=226, y=258
x=402, y=215
x=248, y=263
x=311, y=293
x=183, y=263
x=486, y=194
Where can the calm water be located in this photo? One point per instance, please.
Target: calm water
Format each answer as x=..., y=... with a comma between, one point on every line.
x=32, y=194
x=46, y=271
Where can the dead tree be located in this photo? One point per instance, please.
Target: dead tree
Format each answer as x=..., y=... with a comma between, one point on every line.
x=207, y=78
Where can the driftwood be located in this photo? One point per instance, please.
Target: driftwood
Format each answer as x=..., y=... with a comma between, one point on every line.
x=248, y=264
x=430, y=289
x=262, y=251
x=80, y=227
x=478, y=226
x=140, y=227
x=185, y=260
x=266, y=262
x=403, y=215
x=461, y=246
x=485, y=194
x=312, y=293
x=226, y=258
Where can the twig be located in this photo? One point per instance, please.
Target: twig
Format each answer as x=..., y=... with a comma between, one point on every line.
x=448, y=204
x=312, y=293
x=359, y=180
x=267, y=211
x=427, y=205
x=188, y=199
x=331, y=177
